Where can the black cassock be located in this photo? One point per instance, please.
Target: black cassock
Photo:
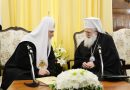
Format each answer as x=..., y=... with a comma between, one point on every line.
x=18, y=66
x=112, y=65
x=0, y=27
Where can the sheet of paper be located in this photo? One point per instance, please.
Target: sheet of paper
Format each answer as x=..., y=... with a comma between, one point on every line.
x=47, y=80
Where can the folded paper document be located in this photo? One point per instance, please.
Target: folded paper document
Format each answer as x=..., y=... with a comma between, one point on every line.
x=47, y=80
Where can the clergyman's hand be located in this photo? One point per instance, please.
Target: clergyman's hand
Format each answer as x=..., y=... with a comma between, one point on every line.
x=43, y=72
x=88, y=65
x=84, y=65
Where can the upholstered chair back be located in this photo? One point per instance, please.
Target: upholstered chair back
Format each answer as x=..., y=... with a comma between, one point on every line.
x=9, y=39
x=78, y=38
x=122, y=42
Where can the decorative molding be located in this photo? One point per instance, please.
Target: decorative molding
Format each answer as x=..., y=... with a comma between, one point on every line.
x=121, y=11
x=120, y=4
x=128, y=1
x=14, y=28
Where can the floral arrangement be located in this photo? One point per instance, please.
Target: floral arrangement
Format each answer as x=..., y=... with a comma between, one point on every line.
x=77, y=79
x=61, y=55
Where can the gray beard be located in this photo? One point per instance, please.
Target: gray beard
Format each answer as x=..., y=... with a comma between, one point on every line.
x=88, y=42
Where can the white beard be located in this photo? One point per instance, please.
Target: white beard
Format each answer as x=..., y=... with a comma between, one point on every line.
x=88, y=42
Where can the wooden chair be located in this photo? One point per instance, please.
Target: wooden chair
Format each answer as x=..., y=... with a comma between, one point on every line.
x=122, y=41
x=78, y=37
x=9, y=39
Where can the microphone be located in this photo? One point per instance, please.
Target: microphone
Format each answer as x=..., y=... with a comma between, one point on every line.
x=31, y=57
x=102, y=65
x=109, y=77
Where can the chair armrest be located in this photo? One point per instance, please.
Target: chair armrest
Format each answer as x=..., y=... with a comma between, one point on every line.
x=69, y=63
x=123, y=68
x=123, y=62
x=1, y=69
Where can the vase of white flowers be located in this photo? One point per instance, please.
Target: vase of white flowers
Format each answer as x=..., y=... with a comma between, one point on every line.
x=77, y=79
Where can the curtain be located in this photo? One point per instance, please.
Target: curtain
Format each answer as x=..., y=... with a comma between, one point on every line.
x=68, y=15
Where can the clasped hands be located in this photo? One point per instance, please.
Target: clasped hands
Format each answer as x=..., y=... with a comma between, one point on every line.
x=43, y=72
x=88, y=65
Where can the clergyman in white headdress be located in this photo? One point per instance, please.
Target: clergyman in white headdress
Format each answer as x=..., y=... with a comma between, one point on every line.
x=44, y=62
x=87, y=53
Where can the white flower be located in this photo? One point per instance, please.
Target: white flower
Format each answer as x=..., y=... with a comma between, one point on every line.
x=61, y=55
x=61, y=61
x=77, y=78
x=62, y=50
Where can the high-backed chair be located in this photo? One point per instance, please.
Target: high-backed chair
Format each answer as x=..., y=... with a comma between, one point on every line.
x=78, y=38
x=122, y=41
x=9, y=40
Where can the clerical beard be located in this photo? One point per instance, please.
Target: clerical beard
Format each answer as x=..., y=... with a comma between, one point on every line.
x=88, y=42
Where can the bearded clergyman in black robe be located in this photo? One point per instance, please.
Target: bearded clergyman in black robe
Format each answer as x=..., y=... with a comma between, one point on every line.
x=87, y=54
x=18, y=67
